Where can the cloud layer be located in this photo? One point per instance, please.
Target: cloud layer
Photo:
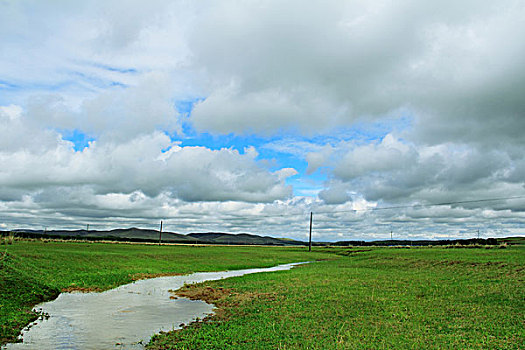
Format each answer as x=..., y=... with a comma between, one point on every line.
x=357, y=104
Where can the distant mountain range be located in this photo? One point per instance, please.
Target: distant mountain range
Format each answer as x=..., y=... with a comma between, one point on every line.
x=144, y=235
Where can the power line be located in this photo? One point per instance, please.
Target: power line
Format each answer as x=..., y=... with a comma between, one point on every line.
x=413, y=206
x=246, y=216
x=423, y=205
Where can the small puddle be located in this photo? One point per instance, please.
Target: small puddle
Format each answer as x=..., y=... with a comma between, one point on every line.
x=122, y=318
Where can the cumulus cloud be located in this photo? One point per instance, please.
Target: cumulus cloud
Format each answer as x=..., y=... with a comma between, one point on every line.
x=114, y=176
x=336, y=193
x=317, y=159
x=264, y=111
x=116, y=113
x=393, y=171
x=139, y=164
x=455, y=60
x=390, y=154
x=266, y=66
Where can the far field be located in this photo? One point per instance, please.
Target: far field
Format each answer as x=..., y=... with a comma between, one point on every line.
x=364, y=298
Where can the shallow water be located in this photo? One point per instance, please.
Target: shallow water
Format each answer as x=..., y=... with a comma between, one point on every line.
x=122, y=318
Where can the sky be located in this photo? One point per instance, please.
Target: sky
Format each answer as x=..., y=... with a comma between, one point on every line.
x=245, y=116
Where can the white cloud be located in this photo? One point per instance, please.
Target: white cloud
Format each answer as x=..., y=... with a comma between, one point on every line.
x=117, y=113
x=226, y=111
x=337, y=193
x=328, y=64
x=317, y=159
x=34, y=159
x=10, y=113
x=272, y=65
x=394, y=171
x=390, y=154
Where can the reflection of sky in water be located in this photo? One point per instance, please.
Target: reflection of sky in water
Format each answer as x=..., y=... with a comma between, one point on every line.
x=122, y=318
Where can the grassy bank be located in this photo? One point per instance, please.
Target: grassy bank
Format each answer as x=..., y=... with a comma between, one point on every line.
x=32, y=272
x=387, y=298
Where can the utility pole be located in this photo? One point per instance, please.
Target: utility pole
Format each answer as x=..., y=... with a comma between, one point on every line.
x=478, y=233
x=310, y=240
x=160, y=233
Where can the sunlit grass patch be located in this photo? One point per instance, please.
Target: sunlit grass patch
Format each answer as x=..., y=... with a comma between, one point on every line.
x=431, y=298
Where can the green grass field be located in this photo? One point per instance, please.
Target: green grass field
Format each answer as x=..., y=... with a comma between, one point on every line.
x=387, y=298
x=354, y=299
x=32, y=272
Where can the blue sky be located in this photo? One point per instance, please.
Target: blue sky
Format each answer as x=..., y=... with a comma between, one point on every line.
x=304, y=184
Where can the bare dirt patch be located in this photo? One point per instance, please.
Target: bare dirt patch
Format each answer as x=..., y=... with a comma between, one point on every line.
x=223, y=298
x=143, y=276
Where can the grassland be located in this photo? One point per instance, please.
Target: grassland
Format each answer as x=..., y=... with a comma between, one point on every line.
x=373, y=298
x=31, y=272
x=386, y=298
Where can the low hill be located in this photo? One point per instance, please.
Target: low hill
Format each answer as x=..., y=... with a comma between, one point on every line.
x=129, y=234
x=134, y=234
x=241, y=238
x=443, y=242
x=145, y=235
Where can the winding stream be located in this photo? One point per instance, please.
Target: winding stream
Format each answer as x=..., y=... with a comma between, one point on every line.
x=122, y=318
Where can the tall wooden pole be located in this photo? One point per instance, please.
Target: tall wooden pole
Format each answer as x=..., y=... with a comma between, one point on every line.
x=310, y=240
x=160, y=233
